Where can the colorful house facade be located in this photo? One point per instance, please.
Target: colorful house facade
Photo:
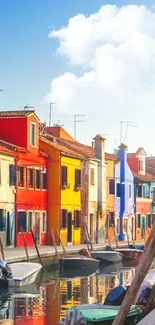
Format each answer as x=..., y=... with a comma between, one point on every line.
x=93, y=180
x=110, y=160
x=64, y=190
x=124, y=195
x=143, y=199
x=27, y=175
x=7, y=195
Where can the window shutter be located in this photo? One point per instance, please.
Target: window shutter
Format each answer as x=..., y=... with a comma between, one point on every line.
x=79, y=219
x=77, y=178
x=66, y=218
x=41, y=180
x=12, y=175
x=63, y=175
x=34, y=178
x=75, y=219
x=61, y=218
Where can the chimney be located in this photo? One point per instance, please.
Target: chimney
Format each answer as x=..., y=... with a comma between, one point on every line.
x=99, y=146
x=122, y=154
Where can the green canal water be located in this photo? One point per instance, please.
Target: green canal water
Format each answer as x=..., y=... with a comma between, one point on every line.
x=47, y=303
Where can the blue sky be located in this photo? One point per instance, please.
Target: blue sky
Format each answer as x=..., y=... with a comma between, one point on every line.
x=27, y=60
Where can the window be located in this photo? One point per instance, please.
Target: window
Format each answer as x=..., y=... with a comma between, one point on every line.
x=141, y=165
x=118, y=190
x=2, y=220
x=139, y=191
x=30, y=177
x=0, y=173
x=29, y=221
x=149, y=220
x=12, y=175
x=77, y=219
x=138, y=220
x=144, y=191
x=33, y=134
x=21, y=220
x=38, y=178
x=130, y=191
x=77, y=178
x=92, y=177
x=20, y=176
x=44, y=177
x=111, y=186
x=153, y=196
x=63, y=219
x=44, y=221
x=111, y=219
x=125, y=225
x=63, y=175
x=117, y=226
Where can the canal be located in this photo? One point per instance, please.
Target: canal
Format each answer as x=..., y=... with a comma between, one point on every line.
x=47, y=303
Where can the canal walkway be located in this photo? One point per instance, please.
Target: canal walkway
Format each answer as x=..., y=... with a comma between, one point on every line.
x=18, y=254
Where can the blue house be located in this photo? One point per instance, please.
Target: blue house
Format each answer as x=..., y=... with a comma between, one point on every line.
x=124, y=196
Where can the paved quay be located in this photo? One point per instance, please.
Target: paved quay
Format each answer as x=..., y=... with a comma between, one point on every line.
x=18, y=254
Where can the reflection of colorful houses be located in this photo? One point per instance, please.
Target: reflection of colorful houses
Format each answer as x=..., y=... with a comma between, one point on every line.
x=64, y=189
x=143, y=199
x=28, y=175
x=124, y=194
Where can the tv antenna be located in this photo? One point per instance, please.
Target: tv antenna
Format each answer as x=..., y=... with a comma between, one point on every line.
x=77, y=121
x=28, y=107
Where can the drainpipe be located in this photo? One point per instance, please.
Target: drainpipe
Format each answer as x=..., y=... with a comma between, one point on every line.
x=16, y=160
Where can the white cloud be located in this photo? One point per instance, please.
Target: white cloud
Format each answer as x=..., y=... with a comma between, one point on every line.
x=115, y=51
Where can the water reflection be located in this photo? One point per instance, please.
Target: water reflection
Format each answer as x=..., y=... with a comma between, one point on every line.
x=47, y=304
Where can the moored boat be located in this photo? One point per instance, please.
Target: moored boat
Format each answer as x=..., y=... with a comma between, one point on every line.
x=105, y=315
x=18, y=274
x=128, y=253
x=107, y=256
x=80, y=262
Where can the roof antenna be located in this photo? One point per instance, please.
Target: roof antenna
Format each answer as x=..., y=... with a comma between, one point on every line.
x=28, y=107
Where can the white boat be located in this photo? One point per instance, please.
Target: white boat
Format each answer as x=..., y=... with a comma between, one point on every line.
x=107, y=256
x=18, y=274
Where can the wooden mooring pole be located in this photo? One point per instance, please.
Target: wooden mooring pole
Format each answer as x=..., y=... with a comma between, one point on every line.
x=35, y=244
x=141, y=271
x=63, y=247
x=132, y=236
x=115, y=236
x=127, y=235
x=2, y=250
x=25, y=246
x=88, y=235
x=53, y=238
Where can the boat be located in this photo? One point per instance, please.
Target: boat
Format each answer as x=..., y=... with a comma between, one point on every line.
x=97, y=314
x=110, y=269
x=18, y=274
x=107, y=256
x=130, y=253
x=79, y=261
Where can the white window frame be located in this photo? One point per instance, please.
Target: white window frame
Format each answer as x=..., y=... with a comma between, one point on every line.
x=32, y=219
x=42, y=220
x=34, y=146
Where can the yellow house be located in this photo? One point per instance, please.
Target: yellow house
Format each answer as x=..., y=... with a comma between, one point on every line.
x=110, y=193
x=64, y=190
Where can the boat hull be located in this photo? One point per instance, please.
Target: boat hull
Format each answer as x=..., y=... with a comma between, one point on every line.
x=107, y=256
x=96, y=314
x=133, y=254
x=22, y=274
x=80, y=262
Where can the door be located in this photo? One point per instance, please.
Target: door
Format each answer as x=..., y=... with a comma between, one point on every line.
x=69, y=234
x=10, y=228
x=91, y=226
x=133, y=228
x=143, y=226
x=37, y=227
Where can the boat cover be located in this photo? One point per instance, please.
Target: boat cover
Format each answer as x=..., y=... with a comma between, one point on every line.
x=74, y=317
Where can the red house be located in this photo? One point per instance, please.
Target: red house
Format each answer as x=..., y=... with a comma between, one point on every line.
x=143, y=199
x=22, y=128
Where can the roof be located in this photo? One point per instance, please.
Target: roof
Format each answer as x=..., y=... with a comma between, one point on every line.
x=59, y=132
x=11, y=147
x=21, y=113
x=110, y=156
x=60, y=147
x=146, y=178
x=99, y=137
x=133, y=154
